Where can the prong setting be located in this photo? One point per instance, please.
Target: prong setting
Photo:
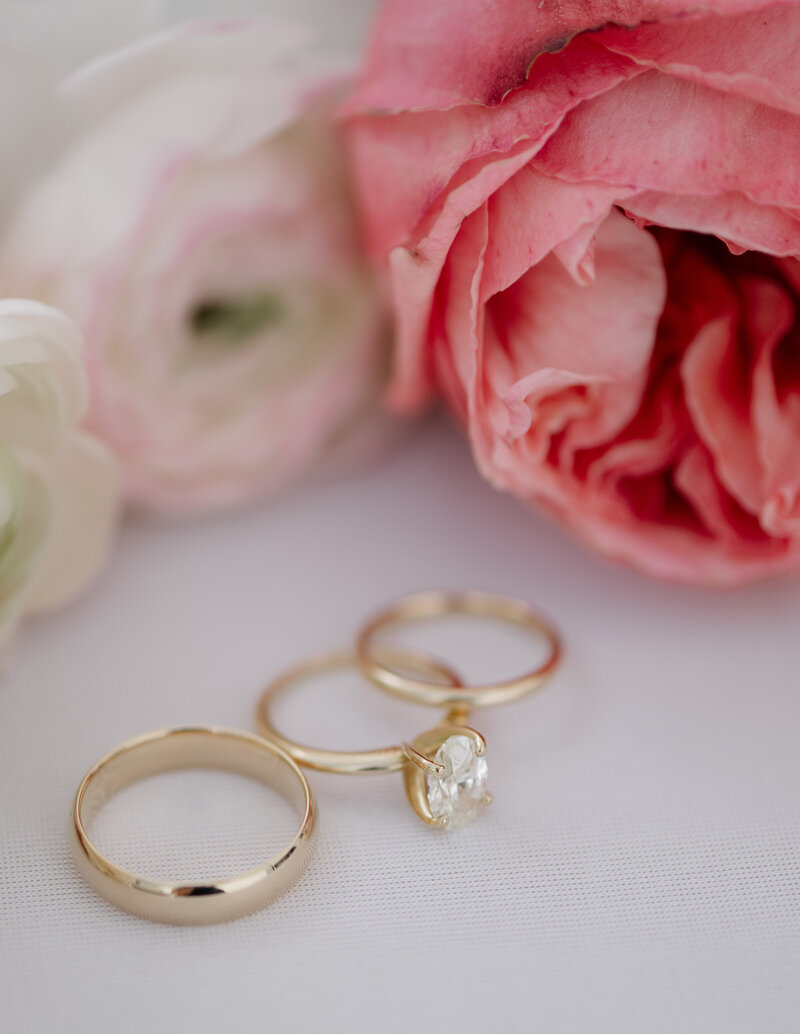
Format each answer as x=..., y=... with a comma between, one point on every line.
x=428, y=766
x=445, y=775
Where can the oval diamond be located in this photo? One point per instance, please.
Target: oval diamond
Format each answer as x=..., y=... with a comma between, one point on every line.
x=458, y=795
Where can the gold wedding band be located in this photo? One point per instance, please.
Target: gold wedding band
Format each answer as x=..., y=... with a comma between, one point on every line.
x=381, y=759
x=184, y=902
x=435, y=604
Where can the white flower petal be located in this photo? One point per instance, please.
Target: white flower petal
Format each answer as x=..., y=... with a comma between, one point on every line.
x=81, y=481
x=210, y=88
x=58, y=486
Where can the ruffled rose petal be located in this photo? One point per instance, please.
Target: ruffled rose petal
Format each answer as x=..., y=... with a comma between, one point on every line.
x=599, y=334
x=534, y=214
x=743, y=224
x=717, y=375
x=753, y=54
x=425, y=54
x=416, y=270
x=416, y=156
x=698, y=142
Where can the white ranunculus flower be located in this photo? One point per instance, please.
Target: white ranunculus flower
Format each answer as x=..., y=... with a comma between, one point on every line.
x=58, y=485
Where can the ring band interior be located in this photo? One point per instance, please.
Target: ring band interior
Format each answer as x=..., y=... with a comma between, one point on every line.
x=171, y=750
x=189, y=748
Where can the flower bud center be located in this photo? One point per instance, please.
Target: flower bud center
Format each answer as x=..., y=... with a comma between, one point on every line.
x=236, y=320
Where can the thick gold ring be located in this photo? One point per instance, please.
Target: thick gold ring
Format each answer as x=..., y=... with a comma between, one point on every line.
x=435, y=604
x=444, y=769
x=166, y=750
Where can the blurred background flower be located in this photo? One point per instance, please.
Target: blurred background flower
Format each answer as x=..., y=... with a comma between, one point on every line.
x=58, y=485
x=198, y=227
x=68, y=33
x=197, y=224
x=179, y=189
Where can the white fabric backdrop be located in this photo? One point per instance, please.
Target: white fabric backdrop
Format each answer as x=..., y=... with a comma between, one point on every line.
x=638, y=871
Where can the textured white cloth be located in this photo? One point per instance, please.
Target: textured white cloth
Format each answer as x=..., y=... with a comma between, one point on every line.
x=639, y=870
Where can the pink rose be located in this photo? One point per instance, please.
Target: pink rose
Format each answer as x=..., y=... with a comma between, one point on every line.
x=591, y=212
x=198, y=227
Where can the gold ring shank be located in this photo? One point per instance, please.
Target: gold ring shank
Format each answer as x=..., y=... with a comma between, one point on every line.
x=192, y=902
x=353, y=762
x=436, y=604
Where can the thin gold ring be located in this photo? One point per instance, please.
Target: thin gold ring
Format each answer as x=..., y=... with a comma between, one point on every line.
x=423, y=766
x=166, y=750
x=434, y=604
x=352, y=762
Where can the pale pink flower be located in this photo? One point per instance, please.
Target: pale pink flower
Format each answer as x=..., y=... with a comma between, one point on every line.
x=198, y=227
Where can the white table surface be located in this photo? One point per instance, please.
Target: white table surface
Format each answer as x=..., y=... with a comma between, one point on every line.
x=639, y=870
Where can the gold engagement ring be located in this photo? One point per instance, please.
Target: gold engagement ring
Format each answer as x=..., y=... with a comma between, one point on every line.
x=444, y=768
x=416, y=760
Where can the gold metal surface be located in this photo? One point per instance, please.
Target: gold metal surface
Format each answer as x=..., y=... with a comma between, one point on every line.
x=192, y=902
x=381, y=759
x=436, y=604
x=416, y=760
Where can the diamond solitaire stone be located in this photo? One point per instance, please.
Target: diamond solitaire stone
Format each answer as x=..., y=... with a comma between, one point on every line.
x=459, y=794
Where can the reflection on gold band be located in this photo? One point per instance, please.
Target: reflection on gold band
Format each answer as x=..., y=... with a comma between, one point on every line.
x=381, y=759
x=436, y=604
x=199, y=902
x=415, y=759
